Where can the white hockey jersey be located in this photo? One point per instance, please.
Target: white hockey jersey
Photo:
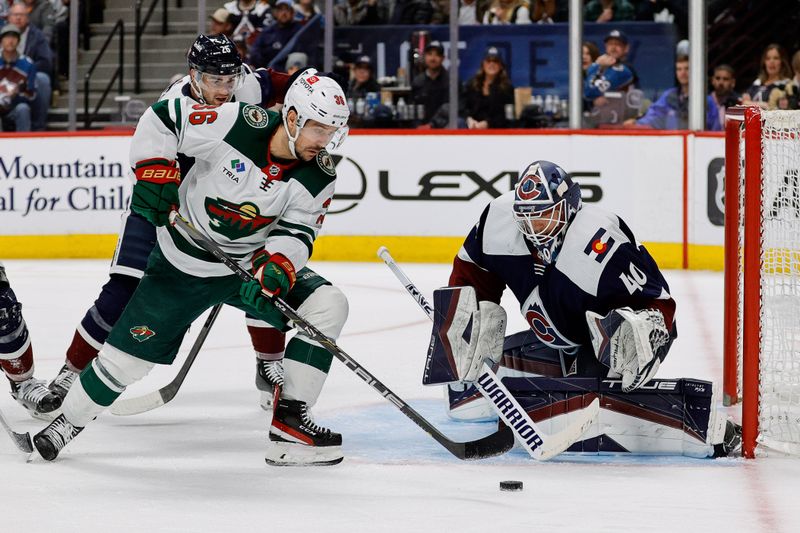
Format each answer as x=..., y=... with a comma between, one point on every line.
x=231, y=189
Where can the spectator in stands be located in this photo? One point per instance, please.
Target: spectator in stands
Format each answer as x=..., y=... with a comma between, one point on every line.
x=219, y=22
x=34, y=45
x=248, y=18
x=508, y=12
x=788, y=97
x=608, y=11
x=17, y=80
x=488, y=93
x=470, y=12
x=274, y=37
x=609, y=72
x=412, y=12
x=774, y=74
x=42, y=15
x=358, y=13
x=721, y=97
x=589, y=54
x=363, y=80
x=671, y=110
x=543, y=11
x=304, y=10
x=296, y=61
x=431, y=88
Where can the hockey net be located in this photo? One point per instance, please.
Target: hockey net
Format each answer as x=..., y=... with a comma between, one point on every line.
x=762, y=276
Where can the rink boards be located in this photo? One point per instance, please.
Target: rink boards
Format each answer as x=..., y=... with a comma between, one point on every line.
x=417, y=192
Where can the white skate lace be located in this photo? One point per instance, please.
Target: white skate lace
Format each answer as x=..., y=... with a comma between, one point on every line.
x=273, y=371
x=308, y=421
x=60, y=432
x=32, y=391
x=65, y=378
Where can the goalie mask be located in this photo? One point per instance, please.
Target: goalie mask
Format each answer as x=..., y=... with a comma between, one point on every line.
x=217, y=68
x=545, y=202
x=319, y=98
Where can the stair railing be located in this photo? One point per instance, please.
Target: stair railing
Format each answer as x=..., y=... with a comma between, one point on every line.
x=88, y=117
x=141, y=24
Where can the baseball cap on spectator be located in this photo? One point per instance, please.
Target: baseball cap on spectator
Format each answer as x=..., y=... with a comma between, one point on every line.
x=493, y=53
x=618, y=35
x=363, y=61
x=9, y=28
x=435, y=45
x=287, y=3
x=297, y=59
x=221, y=15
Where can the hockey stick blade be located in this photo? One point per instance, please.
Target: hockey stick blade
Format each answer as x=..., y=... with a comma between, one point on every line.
x=495, y=444
x=155, y=399
x=21, y=440
x=538, y=444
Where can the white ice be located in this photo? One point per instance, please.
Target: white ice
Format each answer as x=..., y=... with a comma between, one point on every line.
x=196, y=464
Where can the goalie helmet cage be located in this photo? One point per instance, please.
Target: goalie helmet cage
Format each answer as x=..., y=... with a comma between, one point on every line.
x=762, y=276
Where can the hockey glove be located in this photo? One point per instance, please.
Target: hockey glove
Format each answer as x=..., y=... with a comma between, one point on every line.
x=632, y=343
x=155, y=193
x=273, y=276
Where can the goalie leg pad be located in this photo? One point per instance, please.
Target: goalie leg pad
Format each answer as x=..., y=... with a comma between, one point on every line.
x=664, y=417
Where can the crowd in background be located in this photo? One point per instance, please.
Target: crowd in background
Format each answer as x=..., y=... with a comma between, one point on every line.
x=31, y=32
x=34, y=45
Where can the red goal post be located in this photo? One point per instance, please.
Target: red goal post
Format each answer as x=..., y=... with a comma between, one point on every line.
x=762, y=276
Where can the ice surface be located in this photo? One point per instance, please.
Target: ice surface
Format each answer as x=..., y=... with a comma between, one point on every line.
x=196, y=464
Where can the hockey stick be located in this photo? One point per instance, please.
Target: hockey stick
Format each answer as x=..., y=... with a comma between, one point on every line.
x=537, y=443
x=21, y=440
x=497, y=443
x=152, y=400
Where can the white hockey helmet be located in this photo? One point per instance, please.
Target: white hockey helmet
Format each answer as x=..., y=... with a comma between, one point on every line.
x=316, y=97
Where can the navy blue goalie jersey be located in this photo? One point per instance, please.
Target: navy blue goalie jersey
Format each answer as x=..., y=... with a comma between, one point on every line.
x=599, y=267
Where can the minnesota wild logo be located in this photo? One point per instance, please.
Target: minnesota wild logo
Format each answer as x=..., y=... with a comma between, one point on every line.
x=235, y=221
x=141, y=333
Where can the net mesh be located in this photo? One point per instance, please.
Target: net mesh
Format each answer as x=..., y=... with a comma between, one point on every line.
x=779, y=360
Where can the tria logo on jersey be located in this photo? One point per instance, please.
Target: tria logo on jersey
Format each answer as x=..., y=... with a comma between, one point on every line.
x=599, y=245
x=235, y=221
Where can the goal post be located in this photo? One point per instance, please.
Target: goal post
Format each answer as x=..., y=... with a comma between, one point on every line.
x=762, y=276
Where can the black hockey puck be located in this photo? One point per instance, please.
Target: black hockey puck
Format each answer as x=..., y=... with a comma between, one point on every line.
x=511, y=485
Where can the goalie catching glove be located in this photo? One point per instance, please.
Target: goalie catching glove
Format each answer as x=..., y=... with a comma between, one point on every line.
x=273, y=275
x=155, y=194
x=632, y=343
x=465, y=334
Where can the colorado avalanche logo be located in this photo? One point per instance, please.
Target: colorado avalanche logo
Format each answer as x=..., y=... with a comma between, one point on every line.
x=541, y=324
x=533, y=186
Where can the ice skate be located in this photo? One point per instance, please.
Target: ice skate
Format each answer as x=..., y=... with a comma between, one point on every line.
x=51, y=440
x=731, y=444
x=63, y=381
x=295, y=440
x=269, y=376
x=33, y=395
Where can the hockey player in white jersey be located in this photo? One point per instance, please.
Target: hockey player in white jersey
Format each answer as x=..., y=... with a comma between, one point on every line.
x=216, y=75
x=601, y=322
x=259, y=187
x=16, y=356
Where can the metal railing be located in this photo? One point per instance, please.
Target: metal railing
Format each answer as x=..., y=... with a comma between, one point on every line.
x=139, y=30
x=118, y=74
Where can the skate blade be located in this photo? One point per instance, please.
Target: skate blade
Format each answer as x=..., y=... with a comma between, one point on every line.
x=288, y=454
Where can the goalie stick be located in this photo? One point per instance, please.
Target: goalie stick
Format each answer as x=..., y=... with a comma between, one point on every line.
x=152, y=400
x=538, y=444
x=496, y=443
x=21, y=440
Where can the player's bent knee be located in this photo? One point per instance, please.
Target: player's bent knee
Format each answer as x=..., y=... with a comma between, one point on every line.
x=326, y=309
x=123, y=368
